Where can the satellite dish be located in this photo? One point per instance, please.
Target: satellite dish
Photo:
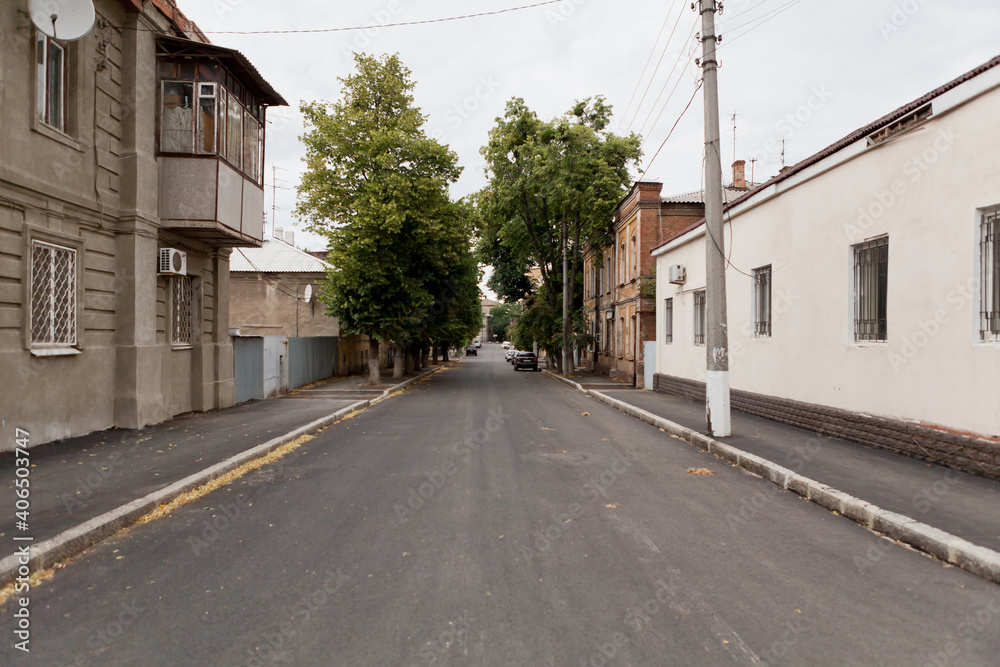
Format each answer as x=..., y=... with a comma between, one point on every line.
x=307, y=297
x=63, y=19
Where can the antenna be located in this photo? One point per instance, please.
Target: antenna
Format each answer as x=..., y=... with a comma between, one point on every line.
x=66, y=19
x=752, y=161
x=782, y=153
x=734, y=136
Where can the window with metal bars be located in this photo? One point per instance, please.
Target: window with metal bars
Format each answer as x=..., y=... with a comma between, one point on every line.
x=762, y=302
x=871, y=290
x=699, y=318
x=989, y=252
x=668, y=320
x=182, y=306
x=53, y=295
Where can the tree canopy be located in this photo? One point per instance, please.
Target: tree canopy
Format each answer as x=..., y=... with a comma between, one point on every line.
x=377, y=186
x=551, y=184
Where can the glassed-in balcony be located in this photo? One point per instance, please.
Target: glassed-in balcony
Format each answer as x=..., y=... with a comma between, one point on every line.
x=213, y=106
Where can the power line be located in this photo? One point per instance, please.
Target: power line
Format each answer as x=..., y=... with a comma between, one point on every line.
x=666, y=46
x=648, y=60
x=642, y=129
x=367, y=27
x=653, y=159
x=773, y=14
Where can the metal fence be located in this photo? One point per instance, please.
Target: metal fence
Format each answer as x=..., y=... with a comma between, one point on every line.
x=267, y=366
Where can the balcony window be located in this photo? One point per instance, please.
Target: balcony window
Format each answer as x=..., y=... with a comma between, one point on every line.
x=50, y=81
x=205, y=118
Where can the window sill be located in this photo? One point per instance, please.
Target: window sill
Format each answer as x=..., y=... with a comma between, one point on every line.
x=54, y=351
x=56, y=135
x=182, y=346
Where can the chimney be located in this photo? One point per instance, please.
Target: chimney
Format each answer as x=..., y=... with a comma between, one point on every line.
x=290, y=237
x=279, y=233
x=739, y=174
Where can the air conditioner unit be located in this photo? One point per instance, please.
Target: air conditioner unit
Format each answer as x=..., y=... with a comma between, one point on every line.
x=678, y=274
x=173, y=262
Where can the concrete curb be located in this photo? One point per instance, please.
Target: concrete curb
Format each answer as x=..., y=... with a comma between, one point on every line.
x=74, y=540
x=934, y=541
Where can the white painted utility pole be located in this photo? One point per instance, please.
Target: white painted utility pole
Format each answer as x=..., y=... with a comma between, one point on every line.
x=717, y=335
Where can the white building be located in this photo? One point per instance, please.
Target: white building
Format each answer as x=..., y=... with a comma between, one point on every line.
x=864, y=285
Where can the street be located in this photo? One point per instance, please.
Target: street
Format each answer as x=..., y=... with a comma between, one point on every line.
x=492, y=517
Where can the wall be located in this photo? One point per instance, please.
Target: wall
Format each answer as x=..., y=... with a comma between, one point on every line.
x=93, y=187
x=922, y=188
x=266, y=305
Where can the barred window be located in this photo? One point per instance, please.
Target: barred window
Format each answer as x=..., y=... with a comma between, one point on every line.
x=668, y=320
x=182, y=317
x=871, y=290
x=699, y=318
x=762, y=302
x=989, y=329
x=53, y=294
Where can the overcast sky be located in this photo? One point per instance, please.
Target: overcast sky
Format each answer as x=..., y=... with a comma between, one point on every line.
x=806, y=71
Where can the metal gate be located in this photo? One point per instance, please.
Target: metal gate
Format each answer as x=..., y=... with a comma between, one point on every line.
x=248, y=368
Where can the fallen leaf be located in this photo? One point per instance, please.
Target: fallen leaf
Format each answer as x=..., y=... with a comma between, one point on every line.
x=584, y=414
x=611, y=506
x=607, y=440
x=700, y=471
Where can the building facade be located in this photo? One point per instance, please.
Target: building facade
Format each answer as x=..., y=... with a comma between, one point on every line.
x=131, y=162
x=863, y=289
x=618, y=279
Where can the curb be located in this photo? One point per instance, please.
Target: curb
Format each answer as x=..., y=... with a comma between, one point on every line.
x=942, y=545
x=74, y=540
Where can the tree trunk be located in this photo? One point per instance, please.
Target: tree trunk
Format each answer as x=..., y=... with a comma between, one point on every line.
x=567, y=305
x=444, y=352
x=374, y=377
x=409, y=359
x=425, y=353
x=397, y=363
x=435, y=352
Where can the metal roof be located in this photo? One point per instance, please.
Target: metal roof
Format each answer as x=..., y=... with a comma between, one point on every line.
x=275, y=256
x=231, y=58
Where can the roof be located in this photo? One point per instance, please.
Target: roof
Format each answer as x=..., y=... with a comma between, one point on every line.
x=275, y=256
x=698, y=196
x=231, y=58
x=851, y=138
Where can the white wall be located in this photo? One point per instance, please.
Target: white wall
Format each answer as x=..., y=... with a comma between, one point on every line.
x=924, y=189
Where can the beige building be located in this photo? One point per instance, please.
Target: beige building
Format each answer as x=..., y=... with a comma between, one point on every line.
x=863, y=289
x=131, y=162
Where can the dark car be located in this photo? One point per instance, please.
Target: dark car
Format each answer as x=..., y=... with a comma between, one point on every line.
x=525, y=360
x=471, y=350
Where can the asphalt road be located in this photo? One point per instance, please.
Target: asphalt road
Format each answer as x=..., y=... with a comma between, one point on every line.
x=488, y=517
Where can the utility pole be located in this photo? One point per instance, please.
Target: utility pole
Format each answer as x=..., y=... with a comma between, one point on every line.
x=717, y=336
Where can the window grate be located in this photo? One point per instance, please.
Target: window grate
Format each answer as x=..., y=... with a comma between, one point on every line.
x=183, y=321
x=699, y=318
x=871, y=289
x=53, y=294
x=762, y=302
x=989, y=328
x=668, y=320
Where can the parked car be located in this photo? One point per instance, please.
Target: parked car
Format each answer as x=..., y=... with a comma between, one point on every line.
x=477, y=343
x=509, y=354
x=471, y=350
x=506, y=344
x=525, y=359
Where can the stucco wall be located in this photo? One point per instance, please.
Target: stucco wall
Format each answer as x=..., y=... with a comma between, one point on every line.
x=266, y=306
x=924, y=189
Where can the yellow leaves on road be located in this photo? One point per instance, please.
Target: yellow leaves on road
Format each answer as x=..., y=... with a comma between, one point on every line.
x=700, y=471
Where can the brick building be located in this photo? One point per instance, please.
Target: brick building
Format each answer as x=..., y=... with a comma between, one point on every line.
x=619, y=280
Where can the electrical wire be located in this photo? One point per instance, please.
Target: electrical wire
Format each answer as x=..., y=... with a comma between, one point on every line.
x=774, y=14
x=365, y=27
x=666, y=46
x=690, y=55
x=649, y=59
x=653, y=159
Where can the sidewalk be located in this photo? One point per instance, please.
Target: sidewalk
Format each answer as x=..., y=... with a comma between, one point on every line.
x=80, y=481
x=957, y=503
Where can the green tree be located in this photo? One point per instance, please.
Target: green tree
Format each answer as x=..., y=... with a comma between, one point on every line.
x=502, y=316
x=376, y=186
x=553, y=188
